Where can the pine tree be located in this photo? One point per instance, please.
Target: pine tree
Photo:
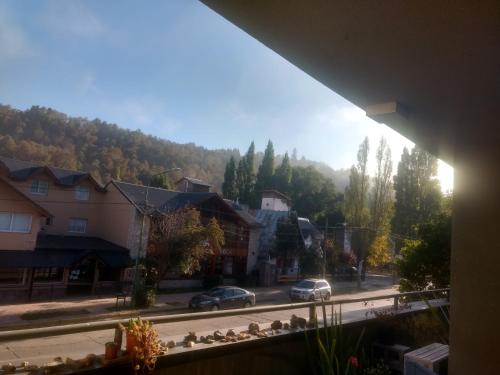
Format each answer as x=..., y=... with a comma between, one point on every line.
x=229, y=189
x=283, y=175
x=240, y=180
x=266, y=170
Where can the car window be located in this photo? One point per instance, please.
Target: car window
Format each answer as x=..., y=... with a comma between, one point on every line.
x=216, y=292
x=306, y=284
x=322, y=284
x=239, y=292
x=229, y=293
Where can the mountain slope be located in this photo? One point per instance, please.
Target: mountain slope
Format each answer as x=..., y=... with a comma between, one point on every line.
x=44, y=135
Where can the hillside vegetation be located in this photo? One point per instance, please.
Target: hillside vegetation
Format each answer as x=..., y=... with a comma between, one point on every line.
x=50, y=137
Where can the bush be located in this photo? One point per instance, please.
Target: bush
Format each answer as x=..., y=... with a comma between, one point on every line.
x=211, y=281
x=144, y=297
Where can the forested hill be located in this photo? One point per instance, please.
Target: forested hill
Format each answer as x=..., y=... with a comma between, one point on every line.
x=46, y=136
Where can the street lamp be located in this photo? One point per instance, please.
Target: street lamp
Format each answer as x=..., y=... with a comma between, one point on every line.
x=140, y=249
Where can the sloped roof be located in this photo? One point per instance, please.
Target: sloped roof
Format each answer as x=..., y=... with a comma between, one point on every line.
x=243, y=214
x=269, y=221
x=277, y=193
x=35, y=205
x=194, y=181
x=22, y=170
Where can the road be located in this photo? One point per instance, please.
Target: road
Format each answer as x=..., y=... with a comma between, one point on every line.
x=42, y=350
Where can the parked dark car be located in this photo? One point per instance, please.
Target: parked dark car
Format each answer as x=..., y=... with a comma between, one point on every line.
x=223, y=297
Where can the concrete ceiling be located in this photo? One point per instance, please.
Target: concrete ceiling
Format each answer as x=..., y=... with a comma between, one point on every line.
x=439, y=60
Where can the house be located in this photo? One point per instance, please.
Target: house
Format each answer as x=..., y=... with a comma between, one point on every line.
x=192, y=185
x=275, y=201
x=232, y=261
x=67, y=234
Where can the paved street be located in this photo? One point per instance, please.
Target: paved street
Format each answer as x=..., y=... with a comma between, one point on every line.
x=75, y=346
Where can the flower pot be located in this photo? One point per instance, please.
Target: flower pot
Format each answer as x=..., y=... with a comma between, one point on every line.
x=131, y=342
x=111, y=351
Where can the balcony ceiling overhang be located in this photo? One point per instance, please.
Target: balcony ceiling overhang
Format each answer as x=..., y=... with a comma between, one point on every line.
x=437, y=62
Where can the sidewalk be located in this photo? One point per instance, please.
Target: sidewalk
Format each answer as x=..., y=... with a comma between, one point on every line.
x=78, y=310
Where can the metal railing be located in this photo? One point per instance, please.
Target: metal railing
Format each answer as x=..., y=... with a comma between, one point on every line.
x=111, y=324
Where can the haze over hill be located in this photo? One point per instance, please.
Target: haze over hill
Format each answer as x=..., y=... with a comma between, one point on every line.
x=47, y=136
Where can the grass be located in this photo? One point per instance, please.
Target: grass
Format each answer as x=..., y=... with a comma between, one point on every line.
x=54, y=313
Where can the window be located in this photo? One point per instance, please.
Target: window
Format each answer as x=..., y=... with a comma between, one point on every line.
x=77, y=225
x=239, y=292
x=48, y=274
x=11, y=275
x=11, y=222
x=39, y=187
x=82, y=193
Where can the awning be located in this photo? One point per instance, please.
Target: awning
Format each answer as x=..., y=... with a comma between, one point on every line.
x=66, y=251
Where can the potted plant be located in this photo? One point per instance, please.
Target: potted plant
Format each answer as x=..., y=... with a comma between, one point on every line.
x=143, y=345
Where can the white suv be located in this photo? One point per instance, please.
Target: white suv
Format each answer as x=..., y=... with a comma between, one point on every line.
x=310, y=290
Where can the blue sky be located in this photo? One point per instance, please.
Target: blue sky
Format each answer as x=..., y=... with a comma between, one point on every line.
x=177, y=70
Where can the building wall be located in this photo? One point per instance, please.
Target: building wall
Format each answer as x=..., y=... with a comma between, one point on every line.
x=60, y=201
x=274, y=204
x=13, y=202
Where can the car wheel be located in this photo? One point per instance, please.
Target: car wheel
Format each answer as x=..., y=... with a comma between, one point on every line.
x=327, y=297
x=214, y=308
x=247, y=304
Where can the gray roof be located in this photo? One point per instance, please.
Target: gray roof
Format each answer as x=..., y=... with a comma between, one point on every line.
x=243, y=213
x=194, y=181
x=160, y=199
x=21, y=170
x=307, y=229
x=269, y=221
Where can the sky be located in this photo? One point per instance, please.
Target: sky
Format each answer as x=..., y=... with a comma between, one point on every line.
x=179, y=71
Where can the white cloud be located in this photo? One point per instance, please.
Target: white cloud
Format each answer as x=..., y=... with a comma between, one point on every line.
x=14, y=43
x=72, y=17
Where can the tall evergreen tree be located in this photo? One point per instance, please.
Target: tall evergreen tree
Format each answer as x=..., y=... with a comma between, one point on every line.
x=266, y=170
x=240, y=180
x=418, y=194
x=356, y=193
x=356, y=208
x=283, y=175
x=229, y=189
x=381, y=201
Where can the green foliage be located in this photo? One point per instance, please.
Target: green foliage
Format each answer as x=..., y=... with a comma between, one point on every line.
x=229, y=187
x=179, y=241
x=283, y=176
x=425, y=263
x=418, y=195
x=332, y=352
x=161, y=181
x=266, y=171
x=356, y=193
x=314, y=196
x=381, y=194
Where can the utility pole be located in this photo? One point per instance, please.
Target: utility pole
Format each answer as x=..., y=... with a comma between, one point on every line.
x=141, y=233
x=325, y=247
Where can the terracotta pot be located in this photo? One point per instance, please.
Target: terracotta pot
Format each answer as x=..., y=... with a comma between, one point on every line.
x=131, y=342
x=111, y=351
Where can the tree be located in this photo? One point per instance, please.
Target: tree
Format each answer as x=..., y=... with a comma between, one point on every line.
x=287, y=241
x=245, y=176
x=178, y=241
x=425, y=263
x=380, y=251
x=356, y=210
x=283, y=175
x=161, y=181
x=266, y=170
x=229, y=188
x=418, y=195
x=381, y=201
